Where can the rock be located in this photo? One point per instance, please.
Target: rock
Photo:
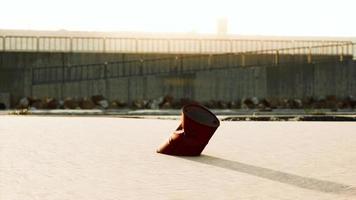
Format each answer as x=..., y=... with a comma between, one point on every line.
x=113, y=105
x=244, y=106
x=298, y=103
x=308, y=102
x=103, y=104
x=86, y=104
x=121, y=104
x=348, y=102
x=97, y=98
x=339, y=105
x=331, y=102
x=137, y=104
x=320, y=103
x=24, y=103
x=295, y=103
x=37, y=104
x=166, y=105
x=61, y=104
x=351, y=101
x=255, y=101
x=70, y=103
x=222, y=105
x=234, y=104
x=153, y=104
x=247, y=103
x=265, y=102
x=166, y=102
x=145, y=103
x=32, y=108
x=264, y=105
x=274, y=103
x=284, y=103
x=100, y=101
x=117, y=104
x=52, y=103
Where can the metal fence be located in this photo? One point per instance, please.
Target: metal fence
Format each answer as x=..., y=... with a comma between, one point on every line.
x=150, y=45
x=191, y=63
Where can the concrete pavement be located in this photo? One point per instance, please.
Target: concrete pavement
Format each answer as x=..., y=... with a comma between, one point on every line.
x=113, y=158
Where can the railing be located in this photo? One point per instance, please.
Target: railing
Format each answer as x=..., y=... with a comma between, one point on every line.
x=190, y=63
x=149, y=45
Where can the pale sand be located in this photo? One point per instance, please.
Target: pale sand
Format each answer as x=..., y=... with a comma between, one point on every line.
x=111, y=158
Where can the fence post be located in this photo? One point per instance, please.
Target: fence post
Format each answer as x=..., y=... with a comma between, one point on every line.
x=341, y=53
x=309, y=55
x=128, y=90
x=243, y=61
x=209, y=61
x=141, y=66
x=104, y=44
x=3, y=43
x=62, y=78
x=276, y=58
x=106, y=84
x=181, y=65
x=31, y=84
x=71, y=44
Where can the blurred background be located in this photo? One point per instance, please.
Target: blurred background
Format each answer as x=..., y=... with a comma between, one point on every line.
x=165, y=54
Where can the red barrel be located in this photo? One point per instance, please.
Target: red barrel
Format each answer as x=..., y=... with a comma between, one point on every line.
x=193, y=134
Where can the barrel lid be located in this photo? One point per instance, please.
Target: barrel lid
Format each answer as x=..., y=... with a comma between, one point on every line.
x=201, y=115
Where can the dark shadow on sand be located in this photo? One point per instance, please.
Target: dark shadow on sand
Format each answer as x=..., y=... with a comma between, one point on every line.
x=274, y=175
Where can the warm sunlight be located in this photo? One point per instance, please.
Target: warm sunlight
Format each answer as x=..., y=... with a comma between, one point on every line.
x=256, y=17
x=177, y=99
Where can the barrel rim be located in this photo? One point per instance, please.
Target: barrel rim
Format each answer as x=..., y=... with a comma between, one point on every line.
x=204, y=108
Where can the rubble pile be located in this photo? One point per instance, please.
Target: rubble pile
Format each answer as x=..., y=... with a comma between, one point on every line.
x=169, y=102
x=71, y=103
x=86, y=104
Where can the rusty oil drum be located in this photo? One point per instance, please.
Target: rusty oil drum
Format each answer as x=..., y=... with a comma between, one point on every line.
x=197, y=126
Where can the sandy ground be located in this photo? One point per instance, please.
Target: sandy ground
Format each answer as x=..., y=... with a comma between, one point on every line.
x=111, y=158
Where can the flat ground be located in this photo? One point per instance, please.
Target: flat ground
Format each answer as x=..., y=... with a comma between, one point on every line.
x=112, y=158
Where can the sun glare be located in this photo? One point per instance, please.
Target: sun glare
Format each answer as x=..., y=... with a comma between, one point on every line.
x=256, y=17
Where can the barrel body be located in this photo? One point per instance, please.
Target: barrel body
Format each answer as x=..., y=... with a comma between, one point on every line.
x=197, y=127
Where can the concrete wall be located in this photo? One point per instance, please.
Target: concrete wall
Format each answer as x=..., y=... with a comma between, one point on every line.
x=287, y=81
x=5, y=99
x=221, y=83
x=16, y=72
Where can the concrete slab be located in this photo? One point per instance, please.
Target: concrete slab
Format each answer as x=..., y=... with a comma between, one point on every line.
x=112, y=158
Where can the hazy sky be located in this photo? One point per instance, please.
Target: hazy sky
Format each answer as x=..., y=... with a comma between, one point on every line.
x=256, y=17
